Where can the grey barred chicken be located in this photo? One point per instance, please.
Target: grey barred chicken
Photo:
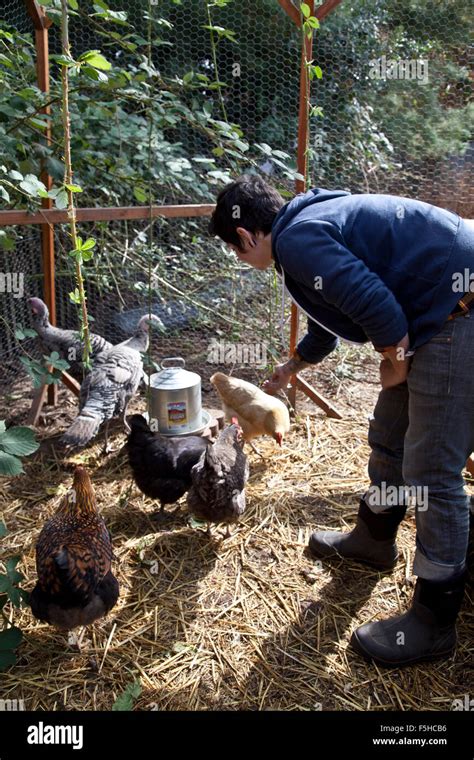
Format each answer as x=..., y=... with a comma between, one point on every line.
x=67, y=343
x=73, y=561
x=108, y=388
x=217, y=493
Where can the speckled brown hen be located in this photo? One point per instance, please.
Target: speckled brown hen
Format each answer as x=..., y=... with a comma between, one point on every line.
x=73, y=561
x=217, y=493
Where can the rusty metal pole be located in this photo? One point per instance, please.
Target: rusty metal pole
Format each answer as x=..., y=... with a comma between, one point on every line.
x=41, y=24
x=302, y=162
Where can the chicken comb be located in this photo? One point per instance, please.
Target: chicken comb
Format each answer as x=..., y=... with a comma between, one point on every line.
x=234, y=421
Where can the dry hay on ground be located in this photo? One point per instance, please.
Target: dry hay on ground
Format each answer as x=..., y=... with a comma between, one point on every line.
x=251, y=622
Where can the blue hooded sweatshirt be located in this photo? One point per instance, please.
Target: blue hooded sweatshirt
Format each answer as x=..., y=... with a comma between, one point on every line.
x=369, y=267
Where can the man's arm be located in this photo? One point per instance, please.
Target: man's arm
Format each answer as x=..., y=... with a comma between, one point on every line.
x=312, y=349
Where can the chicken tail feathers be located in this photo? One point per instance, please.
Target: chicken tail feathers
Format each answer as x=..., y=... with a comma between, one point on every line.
x=82, y=430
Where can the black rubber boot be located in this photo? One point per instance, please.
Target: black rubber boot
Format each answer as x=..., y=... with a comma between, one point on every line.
x=426, y=632
x=372, y=541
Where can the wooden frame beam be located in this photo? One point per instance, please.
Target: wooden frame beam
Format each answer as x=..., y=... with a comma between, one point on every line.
x=326, y=8
x=56, y=216
x=38, y=15
x=291, y=10
x=320, y=13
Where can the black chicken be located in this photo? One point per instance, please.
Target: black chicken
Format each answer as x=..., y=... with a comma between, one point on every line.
x=217, y=493
x=162, y=465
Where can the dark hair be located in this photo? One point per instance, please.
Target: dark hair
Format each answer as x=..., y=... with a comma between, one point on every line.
x=247, y=202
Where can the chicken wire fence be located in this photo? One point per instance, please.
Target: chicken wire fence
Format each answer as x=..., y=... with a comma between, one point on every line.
x=372, y=135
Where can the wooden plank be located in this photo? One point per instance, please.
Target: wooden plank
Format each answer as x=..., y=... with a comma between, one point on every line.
x=291, y=10
x=321, y=401
x=47, y=230
x=300, y=185
x=320, y=13
x=57, y=216
x=326, y=8
x=38, y=15
x=39, y=400
x=70, y=383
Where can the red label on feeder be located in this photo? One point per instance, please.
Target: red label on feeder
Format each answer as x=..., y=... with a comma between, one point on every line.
x=177, y=414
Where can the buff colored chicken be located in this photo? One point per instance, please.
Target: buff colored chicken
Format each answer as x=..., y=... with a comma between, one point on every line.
x=73, y=561
x=257, y=412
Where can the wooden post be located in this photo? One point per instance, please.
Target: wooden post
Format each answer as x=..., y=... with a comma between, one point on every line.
x=41, y=24
x=302, y=162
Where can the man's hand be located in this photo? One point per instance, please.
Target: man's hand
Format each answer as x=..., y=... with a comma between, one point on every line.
x=280, y=378
x=282, y=375
x=395, y=364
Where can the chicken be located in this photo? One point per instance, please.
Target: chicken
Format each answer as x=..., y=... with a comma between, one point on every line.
x=257, y=412
x=217, y=493
x=67, y=343
x=108, y=388
x=73, y=561
x=161, y=465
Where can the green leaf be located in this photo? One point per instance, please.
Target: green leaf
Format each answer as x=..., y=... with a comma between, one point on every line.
x=95, y=74
x=6, y=242
x=19, y=441
x=10, y=465
x=15, y=175
x=124, y=703
x=6, y=61
x=73, y=4
x=140, y=194
x=54, y=360
x=55, y=168
x=305, y=10
x=32, y=184
x=197, y=524
x=95, y=59
x=61, y=199
x=74, y=188
x=10, y=639
x=64, y=60
x=4, y=194
x=90, y=243
x=3, y=529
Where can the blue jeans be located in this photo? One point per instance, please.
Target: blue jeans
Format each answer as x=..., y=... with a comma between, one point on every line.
x=420, y=436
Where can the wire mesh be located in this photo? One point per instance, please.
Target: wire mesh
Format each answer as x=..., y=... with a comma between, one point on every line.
x=394, y=93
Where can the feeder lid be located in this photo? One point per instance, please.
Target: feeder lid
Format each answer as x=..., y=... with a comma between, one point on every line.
x=174, y=377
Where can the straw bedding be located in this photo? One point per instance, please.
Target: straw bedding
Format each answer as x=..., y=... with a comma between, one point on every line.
x=247, y=623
